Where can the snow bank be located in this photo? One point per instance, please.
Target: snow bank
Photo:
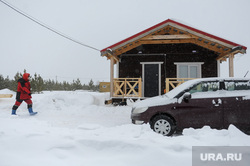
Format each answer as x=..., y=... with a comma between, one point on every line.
x=76, y=128
x=6, y=91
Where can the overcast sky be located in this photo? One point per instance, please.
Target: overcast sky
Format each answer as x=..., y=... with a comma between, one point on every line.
x=101, y=23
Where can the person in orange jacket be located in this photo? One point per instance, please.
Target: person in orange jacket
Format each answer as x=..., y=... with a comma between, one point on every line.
x=23, y=94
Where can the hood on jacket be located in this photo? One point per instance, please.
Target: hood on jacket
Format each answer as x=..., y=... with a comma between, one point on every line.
x=26, y=76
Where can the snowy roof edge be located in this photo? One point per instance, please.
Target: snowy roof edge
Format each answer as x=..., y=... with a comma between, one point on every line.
x=179, y=24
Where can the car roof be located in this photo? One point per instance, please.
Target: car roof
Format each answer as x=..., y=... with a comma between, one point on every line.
x=190, y=83
x=220, y=79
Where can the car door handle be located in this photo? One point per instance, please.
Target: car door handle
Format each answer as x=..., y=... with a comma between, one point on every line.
x=218, y=103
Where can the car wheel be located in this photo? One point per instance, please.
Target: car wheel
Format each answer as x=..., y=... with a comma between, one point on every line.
x=163, y=124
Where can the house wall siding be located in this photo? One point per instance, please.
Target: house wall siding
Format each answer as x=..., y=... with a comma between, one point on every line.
x=130, y=67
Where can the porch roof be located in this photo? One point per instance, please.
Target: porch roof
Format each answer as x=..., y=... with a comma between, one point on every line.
x=170, y=31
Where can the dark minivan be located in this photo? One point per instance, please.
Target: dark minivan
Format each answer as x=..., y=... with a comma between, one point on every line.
x=215, y=102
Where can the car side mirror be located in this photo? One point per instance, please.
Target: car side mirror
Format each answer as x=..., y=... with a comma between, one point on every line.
x=186, y=97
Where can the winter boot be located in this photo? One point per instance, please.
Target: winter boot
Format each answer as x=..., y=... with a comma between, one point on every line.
x=14, y=108
x=13, y=112
x=31, y=111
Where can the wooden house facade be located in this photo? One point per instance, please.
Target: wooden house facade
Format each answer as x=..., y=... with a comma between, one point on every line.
x=163, y=56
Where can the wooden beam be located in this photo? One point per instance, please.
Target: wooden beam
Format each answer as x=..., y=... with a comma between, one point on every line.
x=167, y=41
x=211, y=46
x=111, y=76
x=167, y=37
x=136, y=43
x=126, y=48
x=231, y=65
x=227, y=54
x=114, y=56
x=191, y=39
x=207, y=44
x=222, y=57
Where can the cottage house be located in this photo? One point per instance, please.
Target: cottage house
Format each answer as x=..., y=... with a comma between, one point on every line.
x=161, y=57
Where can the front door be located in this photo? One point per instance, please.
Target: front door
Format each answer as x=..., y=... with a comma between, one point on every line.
x=151, y=79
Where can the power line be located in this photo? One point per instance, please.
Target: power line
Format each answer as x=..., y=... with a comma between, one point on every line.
x=46, y=26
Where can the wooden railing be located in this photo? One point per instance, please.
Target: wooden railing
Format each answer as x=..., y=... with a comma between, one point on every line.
x=172, y=83
x=127, y=87
x=132, y=87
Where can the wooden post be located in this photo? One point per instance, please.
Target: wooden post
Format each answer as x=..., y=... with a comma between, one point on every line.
x=231, y=65
x=117, y=69
x=111, y=76
x=167, y=85
x=139, y=88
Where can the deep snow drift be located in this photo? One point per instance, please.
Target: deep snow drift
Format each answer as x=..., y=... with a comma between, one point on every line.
x=77, y=129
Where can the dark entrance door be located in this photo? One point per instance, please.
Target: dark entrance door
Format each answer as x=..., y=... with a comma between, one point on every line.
x=151, y=80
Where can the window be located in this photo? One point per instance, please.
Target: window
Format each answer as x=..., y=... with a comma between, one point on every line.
x=237, y=85
x=189, y=70
x=205, y=87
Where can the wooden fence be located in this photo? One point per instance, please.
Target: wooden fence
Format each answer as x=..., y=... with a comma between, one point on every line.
x=127, y=87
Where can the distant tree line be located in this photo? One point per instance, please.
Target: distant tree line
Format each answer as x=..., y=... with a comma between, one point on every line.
x=38, y=84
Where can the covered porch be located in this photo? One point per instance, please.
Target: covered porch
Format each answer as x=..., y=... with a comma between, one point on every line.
x=133, y=87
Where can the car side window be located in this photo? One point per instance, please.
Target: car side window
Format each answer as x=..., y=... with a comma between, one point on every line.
x=237, y=85
x=205, y=87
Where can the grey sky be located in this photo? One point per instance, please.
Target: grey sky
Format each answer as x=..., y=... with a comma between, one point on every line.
x=100, y=23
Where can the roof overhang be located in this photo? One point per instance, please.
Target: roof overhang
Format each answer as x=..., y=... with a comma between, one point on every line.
x=170, y=31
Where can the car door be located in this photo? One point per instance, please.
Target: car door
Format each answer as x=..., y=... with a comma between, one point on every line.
x=204, y=108
x=244, y=116
x=237, y=104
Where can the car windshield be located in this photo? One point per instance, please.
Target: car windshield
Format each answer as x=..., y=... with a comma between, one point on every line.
x=205, y=87
x=181, y=88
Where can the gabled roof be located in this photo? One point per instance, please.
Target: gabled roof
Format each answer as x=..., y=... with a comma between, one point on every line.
x=170, y=31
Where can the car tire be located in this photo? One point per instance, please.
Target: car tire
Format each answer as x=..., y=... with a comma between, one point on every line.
x=163, y=124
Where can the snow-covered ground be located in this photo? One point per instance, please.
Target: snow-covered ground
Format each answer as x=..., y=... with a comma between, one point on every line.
x=77, y=129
